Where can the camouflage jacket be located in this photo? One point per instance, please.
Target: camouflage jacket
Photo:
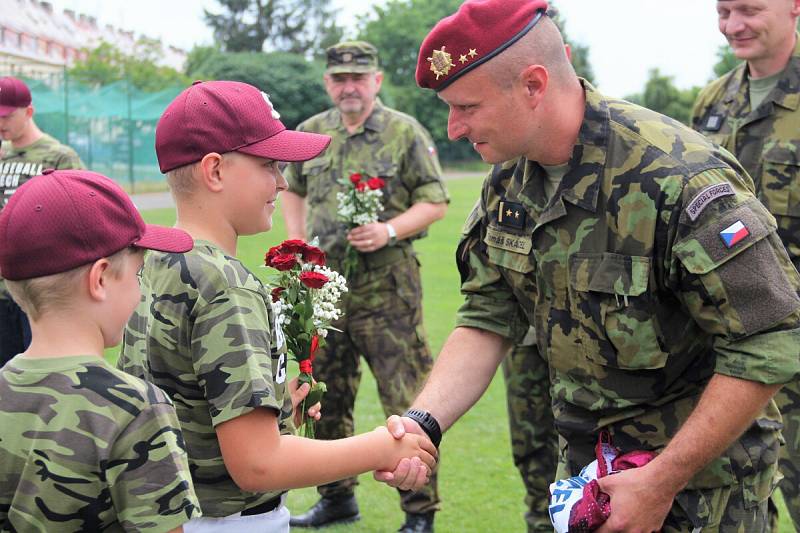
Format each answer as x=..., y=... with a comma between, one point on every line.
x=765, y=140
x=634, y=294
x=18, y=166
x=203, y=333
x=86, y=447
x=391, y=145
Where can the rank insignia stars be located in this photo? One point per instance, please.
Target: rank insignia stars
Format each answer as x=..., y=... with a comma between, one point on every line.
x=472, y=52
x=511, y=214
x=441, y=62
x=463, y=58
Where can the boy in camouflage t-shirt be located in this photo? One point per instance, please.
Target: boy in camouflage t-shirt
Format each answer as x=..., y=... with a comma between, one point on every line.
x=83, y=446
x=204, y=330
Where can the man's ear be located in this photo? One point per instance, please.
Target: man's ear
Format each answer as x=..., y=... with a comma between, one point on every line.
x=534, y=80
x=97, y=280
x=379, y=77
x=210, y=168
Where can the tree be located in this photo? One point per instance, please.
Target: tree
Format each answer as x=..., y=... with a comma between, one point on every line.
x=298, y=26
x=726, y=61
x=107, y=64
x=293, y=83
x=397, y=28
x=661, y=95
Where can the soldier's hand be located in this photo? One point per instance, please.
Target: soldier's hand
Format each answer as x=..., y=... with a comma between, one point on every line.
x=410, y=474
x=369, y=237
x=639, y=502
x=298, y=394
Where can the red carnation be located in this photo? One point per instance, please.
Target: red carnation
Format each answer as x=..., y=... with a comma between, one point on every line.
x=313, y=280
x=355, y=178
x=375, y=183
x=293, y=246
x=361, y=186
x=312, y=254
x=276, y=293
x=283, y=262
x=272, y=254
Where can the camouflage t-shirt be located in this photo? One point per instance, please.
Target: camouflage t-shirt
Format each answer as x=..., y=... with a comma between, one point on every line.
x=765, y=139
x=203, y=334
x=389, y=144
x=85, y=447
x=19, y=165
x=652, y=268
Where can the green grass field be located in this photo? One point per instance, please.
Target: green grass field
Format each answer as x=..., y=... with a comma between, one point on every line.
x=480, y=488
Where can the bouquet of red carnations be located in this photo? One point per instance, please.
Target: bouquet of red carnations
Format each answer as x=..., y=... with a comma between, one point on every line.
x=359, y=205
x=304, y=297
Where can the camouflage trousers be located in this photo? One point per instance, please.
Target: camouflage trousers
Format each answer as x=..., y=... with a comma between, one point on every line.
x=534, y=439
x=382, y=323
x=788, y=401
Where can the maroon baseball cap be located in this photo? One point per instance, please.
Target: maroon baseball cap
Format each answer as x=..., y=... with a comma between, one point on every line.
x=473, y=35
x=13, y=94
x=228, y=116
x=64, y=219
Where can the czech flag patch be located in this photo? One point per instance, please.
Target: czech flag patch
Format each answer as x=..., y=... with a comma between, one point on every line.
x=734, y=233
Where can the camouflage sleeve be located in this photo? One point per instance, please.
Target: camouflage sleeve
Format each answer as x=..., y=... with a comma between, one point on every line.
x=69, y=160
x=293, y=172
x=489, y=303
x=735, y=278
x=148, y=472
x=231, y=354
x=423, y=169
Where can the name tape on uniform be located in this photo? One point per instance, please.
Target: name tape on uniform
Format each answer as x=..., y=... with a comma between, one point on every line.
x=704, y=197
x=505, y=241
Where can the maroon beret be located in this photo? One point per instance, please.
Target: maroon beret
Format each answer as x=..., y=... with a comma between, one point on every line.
x=477, y=32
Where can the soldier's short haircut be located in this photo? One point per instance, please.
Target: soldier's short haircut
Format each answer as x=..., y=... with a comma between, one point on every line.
x=543, y=45
x=37, y=296
x=181, y=180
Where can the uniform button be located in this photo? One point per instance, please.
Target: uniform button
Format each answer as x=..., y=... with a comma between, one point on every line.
x=47, y=171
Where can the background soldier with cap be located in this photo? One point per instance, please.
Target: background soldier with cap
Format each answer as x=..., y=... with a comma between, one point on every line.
x=382, y=312
x=24, y=152
x=630, y=243
x=754, y=112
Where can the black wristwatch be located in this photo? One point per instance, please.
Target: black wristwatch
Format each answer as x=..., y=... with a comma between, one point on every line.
x=428, y=424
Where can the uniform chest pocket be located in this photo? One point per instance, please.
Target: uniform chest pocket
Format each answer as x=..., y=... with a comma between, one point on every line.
x=780, y=179
x=609, y=299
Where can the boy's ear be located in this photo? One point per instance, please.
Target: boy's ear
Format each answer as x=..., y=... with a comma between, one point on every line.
x=98, y=279
x=211, y=172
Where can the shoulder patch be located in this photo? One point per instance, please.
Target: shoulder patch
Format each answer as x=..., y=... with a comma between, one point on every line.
x=734, y=233
x=714, y=123
x=706, y=196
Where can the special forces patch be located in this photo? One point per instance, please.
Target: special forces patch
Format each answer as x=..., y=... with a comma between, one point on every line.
x=704, y=197
x=511, y=214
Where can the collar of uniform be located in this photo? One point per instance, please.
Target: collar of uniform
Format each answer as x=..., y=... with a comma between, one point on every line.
x=581, y=183
x=375, y=121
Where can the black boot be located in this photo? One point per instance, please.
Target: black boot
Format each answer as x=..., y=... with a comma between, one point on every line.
x=329, y=511
x=418, y=523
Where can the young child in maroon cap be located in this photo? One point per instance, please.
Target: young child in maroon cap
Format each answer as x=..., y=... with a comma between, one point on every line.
x=205, y=330
x=85, y=447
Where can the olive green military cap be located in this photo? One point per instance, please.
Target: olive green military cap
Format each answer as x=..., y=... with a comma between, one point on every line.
x=352, y=56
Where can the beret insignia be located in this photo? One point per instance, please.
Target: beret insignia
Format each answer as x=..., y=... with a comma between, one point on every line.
x=441, y=62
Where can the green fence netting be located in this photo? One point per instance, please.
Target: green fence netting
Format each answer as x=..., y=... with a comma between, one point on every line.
x=111, y=127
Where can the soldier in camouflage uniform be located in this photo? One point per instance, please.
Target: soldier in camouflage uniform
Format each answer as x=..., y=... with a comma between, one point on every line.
x=83, y=446
x=530, y=420
x=754, y=112
x=24, y=152
x=656, y=281
x=382, y=312
x=205, y=329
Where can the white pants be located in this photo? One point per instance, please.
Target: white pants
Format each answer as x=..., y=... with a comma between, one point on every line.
x=275, y=521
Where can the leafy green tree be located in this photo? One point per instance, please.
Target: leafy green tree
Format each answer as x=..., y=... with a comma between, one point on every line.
x=661, y=95
x=726, y=61
x=580, y=52
x=293, y=82
x=397, y=28
x=107, y=64
x=298, y=26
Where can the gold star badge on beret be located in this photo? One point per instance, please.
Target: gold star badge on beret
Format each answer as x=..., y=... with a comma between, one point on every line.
x=441, y=62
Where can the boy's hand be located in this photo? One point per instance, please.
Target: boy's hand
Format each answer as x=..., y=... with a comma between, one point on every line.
x=415, y=451
x=409, y=474
x=298, y=394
